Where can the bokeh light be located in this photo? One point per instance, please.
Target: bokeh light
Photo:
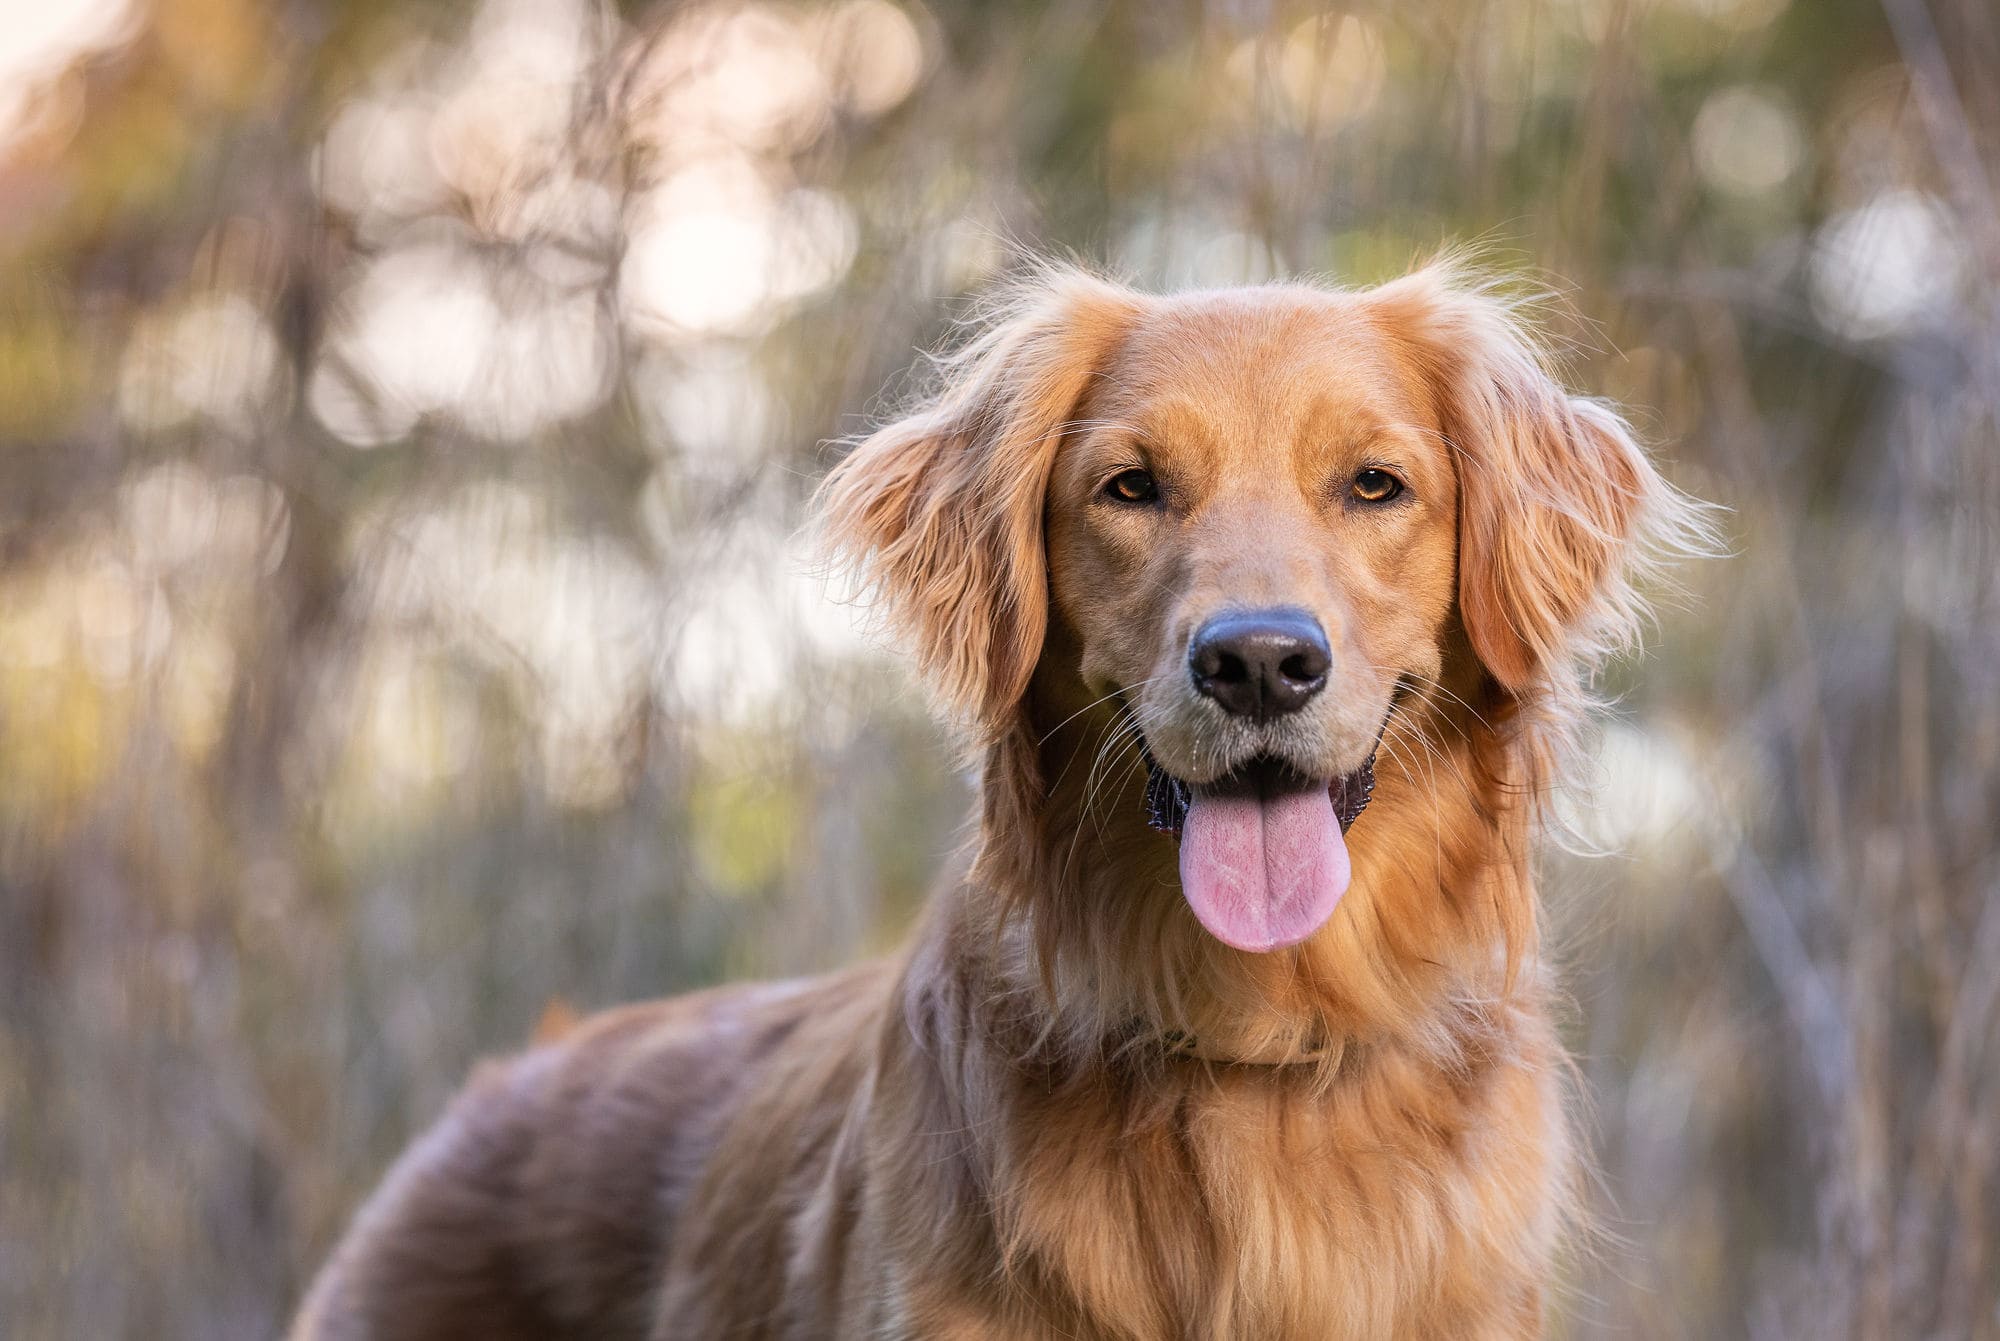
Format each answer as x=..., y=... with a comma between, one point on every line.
x=407, y=616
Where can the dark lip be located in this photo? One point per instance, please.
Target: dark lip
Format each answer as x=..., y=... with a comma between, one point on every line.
x=1264, y=776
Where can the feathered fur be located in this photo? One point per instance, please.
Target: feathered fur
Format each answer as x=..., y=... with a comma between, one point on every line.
x=1001, y=1132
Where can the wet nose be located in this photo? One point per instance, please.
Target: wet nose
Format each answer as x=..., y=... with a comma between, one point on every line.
x=1260, y=663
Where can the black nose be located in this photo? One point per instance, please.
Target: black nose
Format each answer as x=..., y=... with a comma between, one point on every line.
x=1260, y=663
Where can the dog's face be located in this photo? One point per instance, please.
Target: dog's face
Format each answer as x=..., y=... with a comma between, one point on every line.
x=1252, y=536
x=1248, y=520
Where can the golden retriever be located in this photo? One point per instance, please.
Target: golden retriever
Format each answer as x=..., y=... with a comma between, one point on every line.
x=1269, y=612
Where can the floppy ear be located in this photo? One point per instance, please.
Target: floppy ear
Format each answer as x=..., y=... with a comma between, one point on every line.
x=1557, y=504
x=942, y=510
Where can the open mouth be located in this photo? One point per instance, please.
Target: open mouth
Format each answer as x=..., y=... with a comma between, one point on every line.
x=1263, y=852
x=1167, y=797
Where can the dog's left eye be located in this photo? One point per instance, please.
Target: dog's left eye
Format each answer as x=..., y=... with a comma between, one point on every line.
x=1376, y=486
x=1132, y=486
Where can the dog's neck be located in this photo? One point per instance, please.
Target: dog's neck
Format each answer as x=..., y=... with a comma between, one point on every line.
x=1086, y=896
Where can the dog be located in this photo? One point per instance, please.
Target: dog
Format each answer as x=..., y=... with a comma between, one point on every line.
x=1269, y=615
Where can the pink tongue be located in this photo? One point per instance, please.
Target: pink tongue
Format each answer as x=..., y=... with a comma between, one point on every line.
x=1265, y=873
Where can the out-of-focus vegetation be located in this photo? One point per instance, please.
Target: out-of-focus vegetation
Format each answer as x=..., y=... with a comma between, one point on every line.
x=405, y=412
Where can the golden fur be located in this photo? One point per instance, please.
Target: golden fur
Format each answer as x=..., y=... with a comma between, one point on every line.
x=1065, y=1110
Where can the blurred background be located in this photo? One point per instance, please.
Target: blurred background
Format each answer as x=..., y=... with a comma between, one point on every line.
x=405, y=415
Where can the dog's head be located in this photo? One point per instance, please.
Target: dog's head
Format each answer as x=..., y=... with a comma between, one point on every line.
x=1249, y=521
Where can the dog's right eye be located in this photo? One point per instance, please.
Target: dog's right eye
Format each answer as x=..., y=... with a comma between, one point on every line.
x=1132, y=486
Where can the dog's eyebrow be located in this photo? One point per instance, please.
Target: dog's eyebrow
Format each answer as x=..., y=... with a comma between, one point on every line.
x=1404, y=428
x=1169, y=404
x=1118, y=424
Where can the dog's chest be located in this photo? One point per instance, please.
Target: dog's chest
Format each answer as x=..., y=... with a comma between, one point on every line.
x=1255, y=1210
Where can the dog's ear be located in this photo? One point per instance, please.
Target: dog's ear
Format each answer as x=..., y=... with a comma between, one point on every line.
x=1557, y=505
x=942, y=510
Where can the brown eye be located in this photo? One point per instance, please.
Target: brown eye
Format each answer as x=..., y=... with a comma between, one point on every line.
x=1132, y=486
x=1376, y=486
